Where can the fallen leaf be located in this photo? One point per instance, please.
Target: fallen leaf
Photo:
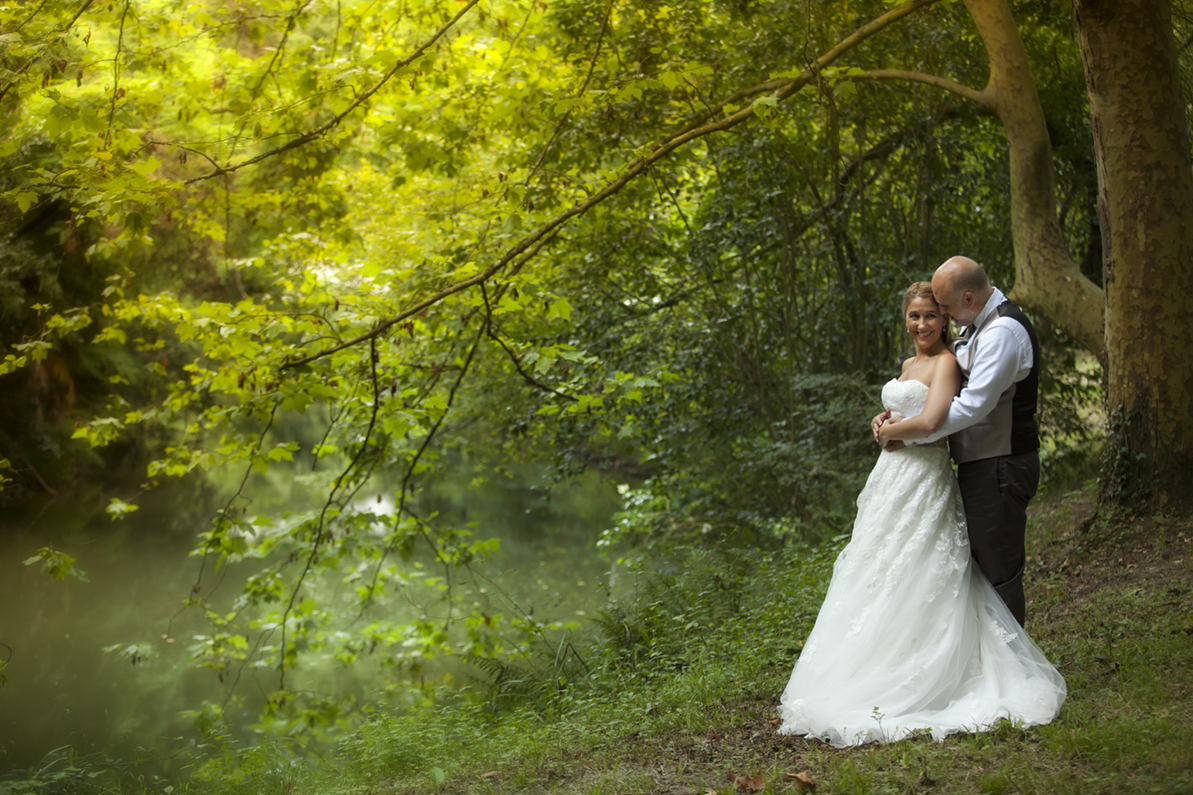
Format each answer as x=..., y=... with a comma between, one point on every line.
x=754, y=783
x=774, y=721
x=803, y=781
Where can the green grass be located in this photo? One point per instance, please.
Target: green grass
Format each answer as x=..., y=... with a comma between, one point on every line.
x=1111, y=606
x=678, y=687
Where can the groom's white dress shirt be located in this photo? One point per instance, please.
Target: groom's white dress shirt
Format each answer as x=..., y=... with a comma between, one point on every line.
x=1000, y=356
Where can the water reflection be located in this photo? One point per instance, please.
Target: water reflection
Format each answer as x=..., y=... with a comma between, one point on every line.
x=62, y=689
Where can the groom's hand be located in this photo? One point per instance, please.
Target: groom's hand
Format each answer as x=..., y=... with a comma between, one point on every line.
x=877, y=422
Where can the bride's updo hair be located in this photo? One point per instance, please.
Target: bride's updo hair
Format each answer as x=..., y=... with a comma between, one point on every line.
x=924, y=290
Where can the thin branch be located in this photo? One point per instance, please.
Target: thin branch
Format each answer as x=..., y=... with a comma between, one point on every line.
x=659, y=187
x=211, y=30
x=319, y=532
x=29, y=18
x=173, y=145
x=291, y=21
x=327, y=126
x=493, y=335
x=335, y=418
x=596, y=51
x=451, y=396
x=75, y=18
x=980, y=97
x=401, y=506
x=116, y=75
x=12, y=82
x=784, y=89
x=248, y=470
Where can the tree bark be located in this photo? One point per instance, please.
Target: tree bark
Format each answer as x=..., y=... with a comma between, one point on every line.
x=1145, y=208
x=1048, y=281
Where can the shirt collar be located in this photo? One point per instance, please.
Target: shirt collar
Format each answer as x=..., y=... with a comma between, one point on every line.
x=996, y=299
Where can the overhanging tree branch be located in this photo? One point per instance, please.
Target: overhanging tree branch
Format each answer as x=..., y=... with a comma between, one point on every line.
x=980, y=97
x=781, y=89
x=787, y=84
x=334, y=122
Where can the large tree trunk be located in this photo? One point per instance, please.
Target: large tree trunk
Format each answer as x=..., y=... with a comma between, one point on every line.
x=1145, y=208
x=1048, y=281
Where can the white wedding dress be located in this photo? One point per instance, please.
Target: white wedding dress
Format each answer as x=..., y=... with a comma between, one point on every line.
x=911, y=636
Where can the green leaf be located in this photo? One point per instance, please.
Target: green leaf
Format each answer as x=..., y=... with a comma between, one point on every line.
x=283, y=452
x=146, y=167
x=25, y=199
x=57, y=564
x=560, y=308
x=118, y=509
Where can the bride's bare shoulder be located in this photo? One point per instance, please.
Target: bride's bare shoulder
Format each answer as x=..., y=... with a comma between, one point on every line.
x=945, y=359
x=946, y=371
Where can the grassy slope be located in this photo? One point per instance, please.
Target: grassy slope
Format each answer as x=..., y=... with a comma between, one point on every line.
x=1111, y=602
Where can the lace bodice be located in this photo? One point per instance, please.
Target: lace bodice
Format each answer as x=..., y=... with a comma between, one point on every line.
x=904, y=398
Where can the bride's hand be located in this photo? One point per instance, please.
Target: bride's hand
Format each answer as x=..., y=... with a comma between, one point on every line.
x=883, y=435
x=877, y=422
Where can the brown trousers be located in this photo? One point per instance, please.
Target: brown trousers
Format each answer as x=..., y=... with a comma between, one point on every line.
x=996, y=492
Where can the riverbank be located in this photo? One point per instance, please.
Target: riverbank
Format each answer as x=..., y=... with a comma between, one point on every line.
x=1112, y=604
x=673, y=692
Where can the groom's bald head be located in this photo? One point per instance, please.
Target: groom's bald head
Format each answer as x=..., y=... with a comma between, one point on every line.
x=961, y=288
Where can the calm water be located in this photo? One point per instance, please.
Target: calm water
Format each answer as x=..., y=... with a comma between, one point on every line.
x=63, y=689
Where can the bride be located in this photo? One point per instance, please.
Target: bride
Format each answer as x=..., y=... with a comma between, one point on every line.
x=911, y=636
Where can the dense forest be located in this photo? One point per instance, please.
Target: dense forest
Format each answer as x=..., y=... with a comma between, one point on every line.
x=369, y=248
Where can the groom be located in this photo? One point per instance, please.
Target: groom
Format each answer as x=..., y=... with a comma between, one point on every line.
x=991, y=425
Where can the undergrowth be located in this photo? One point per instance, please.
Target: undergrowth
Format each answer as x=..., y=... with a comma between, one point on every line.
x=672, y=689
x=708, y=631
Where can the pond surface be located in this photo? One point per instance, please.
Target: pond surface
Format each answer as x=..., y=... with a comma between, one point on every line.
x=62, y=689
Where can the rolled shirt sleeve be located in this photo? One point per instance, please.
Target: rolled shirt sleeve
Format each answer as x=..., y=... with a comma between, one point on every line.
x=1003, y=357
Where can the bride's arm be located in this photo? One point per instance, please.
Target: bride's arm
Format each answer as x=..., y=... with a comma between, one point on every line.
x=946, y=379
x=880, y=419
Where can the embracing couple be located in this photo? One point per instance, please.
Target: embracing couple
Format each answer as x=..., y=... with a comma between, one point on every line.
x=922, y=626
